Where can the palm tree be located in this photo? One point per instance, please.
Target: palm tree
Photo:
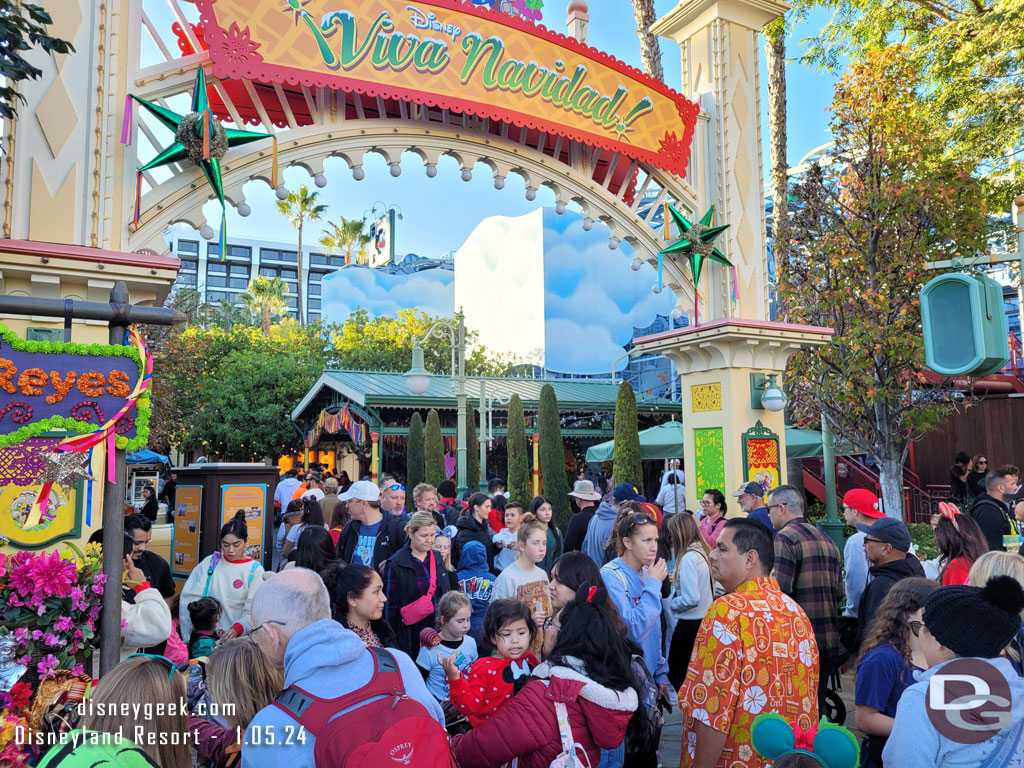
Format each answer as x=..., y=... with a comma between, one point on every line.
x=650, y=49
x=299, y=207
x=343, y=235
x=775, y=57
x=264, y=298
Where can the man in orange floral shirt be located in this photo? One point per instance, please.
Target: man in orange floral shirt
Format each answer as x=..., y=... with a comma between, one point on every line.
x=755, y=652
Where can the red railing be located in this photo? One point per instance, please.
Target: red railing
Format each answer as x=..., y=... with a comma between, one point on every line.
x=919, y=503
x=1016, y=364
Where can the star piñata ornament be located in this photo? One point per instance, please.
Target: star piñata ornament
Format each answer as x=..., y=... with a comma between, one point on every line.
x=199, y=137
x=695, y=243
x=63, y=468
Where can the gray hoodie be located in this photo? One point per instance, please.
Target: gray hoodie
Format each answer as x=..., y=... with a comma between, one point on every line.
x=329, y=661
x=598, y=531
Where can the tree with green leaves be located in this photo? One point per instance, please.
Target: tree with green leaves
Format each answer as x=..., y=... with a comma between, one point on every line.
x=518, y=461
x=472, y=449
x=228, y=393
x=364, y=343
x=626, y=458
x=343, y=235
x=434, y=451
x=22, y=28
x=891, y=201
x=265, y=298
x=552, y=456
x=971, y=82
x=414, y=462
x=300, y=207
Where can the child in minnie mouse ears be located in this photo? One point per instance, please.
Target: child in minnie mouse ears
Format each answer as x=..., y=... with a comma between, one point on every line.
x=788, y=746
x=492, y=681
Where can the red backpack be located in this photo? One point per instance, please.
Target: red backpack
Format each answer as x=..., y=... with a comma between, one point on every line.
x=376, y=725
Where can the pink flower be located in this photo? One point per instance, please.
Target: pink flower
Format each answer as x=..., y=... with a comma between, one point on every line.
x=53, y=641
x=63, y=624
x=46, y=665
x=97, y=589
x=78, y=669
x=36, y=634
x=46, y=575
x=24, y=660
x=124, y=624
x=3, y=565
x=41, y=609
x=100, y=579
x=21, y=635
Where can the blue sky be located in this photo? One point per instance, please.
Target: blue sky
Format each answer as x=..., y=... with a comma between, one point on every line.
x=439, y=213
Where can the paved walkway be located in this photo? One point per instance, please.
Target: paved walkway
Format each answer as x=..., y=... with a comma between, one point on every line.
x=671, y=734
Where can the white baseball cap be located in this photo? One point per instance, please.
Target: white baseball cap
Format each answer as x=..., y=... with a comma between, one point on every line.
x=361, y=489
x=314, y=493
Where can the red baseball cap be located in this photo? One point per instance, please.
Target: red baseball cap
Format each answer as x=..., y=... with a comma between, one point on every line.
x=864, y=501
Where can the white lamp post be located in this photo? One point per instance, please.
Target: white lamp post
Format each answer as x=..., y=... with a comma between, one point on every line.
x=487, y=426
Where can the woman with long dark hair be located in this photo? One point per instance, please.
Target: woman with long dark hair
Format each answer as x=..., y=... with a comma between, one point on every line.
x=541, y=508
x=960, y=542
x=474, y=525
x=589, y=674
x=312, y=515
x=357, y=602
x=890, y=654
x=315, y=549
x=713, y=509
x=570, y=572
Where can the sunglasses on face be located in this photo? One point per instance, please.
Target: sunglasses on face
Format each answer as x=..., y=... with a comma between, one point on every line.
x=171, y=666
x=395, y=487
x=915, y=627
x=638, y=520
x=869, y=540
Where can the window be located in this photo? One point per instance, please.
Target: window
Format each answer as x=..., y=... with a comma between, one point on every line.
x=274, y=254
x=286, y=274
x=293, y=302
x=230, y=252
x=188, y=248
x=314, y=304
x=215, y=297
x=325, y=260
x=44, y=334
x=186, y=279
x=314, y=288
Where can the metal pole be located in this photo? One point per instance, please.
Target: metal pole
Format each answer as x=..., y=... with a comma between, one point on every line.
x=483, y=437
x=113, y=513
x=460, y=448
x=831, y=526
x=90, y=310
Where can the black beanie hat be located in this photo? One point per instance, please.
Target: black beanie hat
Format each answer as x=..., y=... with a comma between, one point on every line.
x=976, y=621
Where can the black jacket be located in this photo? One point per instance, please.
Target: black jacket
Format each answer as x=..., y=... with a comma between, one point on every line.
x=883, y=577
x=576, y=531
x=990, y=515
x=401, y=588
x=390, y=538
x=470, y=529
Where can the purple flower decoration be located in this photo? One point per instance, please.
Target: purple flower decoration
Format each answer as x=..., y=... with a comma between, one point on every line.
x=24, y=660
x=36, y=634
x=46, y=665
x=63, y=624
x=78, y=669
x=21, y=635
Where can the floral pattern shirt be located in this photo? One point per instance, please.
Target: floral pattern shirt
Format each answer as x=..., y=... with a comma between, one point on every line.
x=755, y=652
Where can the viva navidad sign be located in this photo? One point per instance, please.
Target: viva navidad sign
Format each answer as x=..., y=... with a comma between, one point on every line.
x=447, y=54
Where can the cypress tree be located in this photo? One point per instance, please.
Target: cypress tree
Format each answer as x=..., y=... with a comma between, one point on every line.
x=472, y=449
x=552, y=457
x=626, y=458
x=414, y=455
x=518, y=463
x=434, y=451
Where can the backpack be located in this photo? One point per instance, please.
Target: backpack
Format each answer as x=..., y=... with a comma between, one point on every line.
x=644, y=729
x=378, y=724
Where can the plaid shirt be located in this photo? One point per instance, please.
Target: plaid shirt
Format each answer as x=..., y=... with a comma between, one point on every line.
x=808, y=570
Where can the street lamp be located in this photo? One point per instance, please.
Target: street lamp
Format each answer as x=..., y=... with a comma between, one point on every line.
x=417, y=379
x=487, y=425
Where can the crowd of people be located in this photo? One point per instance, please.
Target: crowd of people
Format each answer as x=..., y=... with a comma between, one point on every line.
x=508, y=641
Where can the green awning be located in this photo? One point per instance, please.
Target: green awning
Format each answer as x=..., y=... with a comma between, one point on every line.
x=665, y=441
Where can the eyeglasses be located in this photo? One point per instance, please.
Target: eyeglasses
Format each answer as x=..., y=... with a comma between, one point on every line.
x=171, y=666
x=254, y=630
x=395, y=487
x=869, y=540
x=773, y=506
x=983, y=461
x=915, y=627
x=638, y=520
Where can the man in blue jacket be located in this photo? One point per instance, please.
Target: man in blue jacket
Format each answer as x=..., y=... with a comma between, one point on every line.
x=292, y=618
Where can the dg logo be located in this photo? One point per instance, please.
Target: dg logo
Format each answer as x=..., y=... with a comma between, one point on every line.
x=968, y=701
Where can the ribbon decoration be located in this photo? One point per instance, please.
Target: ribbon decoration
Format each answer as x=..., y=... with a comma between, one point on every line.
x=340, y=421
x=104, y=433
x=804, y=739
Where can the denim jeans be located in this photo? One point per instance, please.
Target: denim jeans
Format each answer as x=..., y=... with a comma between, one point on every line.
x=613, y=758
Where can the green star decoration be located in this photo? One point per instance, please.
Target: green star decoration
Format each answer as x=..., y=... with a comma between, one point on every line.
x=191, y=141
x=696, y=242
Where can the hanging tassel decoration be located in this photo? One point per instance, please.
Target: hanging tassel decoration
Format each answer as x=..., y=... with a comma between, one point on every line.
x=207, y=130
x=273, y=170
x=111, y=463
x=128, y=121
x=138, y=198
x=223, y=233
x=735, y=286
